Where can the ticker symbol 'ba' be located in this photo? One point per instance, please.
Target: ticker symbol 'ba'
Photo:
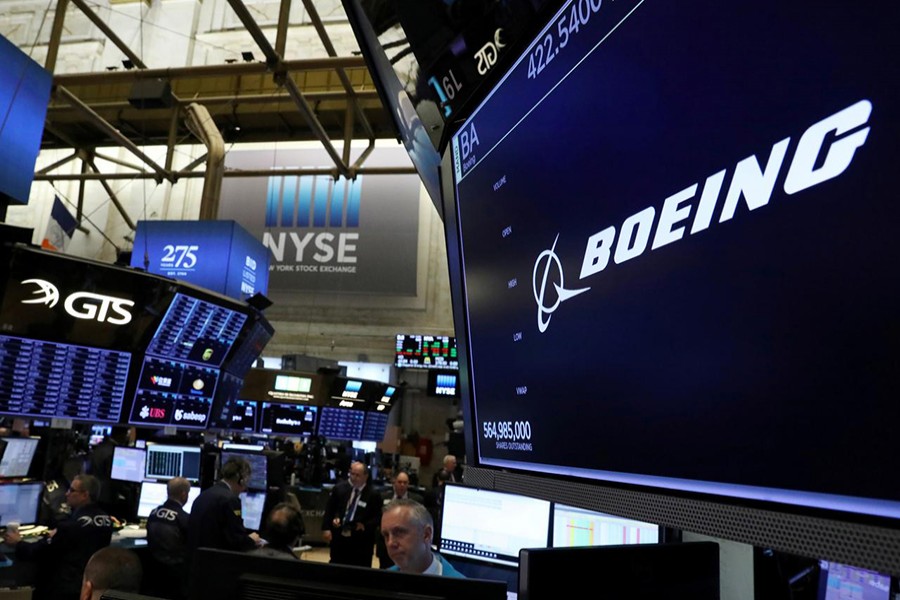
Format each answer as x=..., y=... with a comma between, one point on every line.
x=546, y=261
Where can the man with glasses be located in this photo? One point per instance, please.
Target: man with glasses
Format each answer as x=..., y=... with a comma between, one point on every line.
x=351, y=518
x=62, y=555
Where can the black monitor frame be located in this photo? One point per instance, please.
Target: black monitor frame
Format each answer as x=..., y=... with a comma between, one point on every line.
x=812, y=530
x=231, y=575
x=637, y=572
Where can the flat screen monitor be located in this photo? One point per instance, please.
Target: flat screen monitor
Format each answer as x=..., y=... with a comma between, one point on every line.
x=838, y=581
x=72, y=330
x=242, y=447
x=182, y=363
x=154, y=493
x=24, y=95
x=375, y=426
x=240, y=576
x=252, y=505
x=443, y=384
x=288, y=418
x=490, y=526
x=341, y=423
x=640, y=572
x=258, y=466
x=99, y=433
x=18, y=456
x=426, y=352
x=165, y=461
x=129, y=464
x=641, y=240
x=573, y=526
x=19, y=503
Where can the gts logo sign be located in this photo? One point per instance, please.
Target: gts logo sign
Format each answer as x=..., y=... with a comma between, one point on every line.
x=83, y=305
x=823, y=152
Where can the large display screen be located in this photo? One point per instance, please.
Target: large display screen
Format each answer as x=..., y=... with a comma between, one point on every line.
x=79, y=339
x=675, y=222
x=24, y=95
x=426, y=352
x=181, y=366
x=492, y=526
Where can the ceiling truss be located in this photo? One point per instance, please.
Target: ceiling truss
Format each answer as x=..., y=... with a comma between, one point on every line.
x=320, y=99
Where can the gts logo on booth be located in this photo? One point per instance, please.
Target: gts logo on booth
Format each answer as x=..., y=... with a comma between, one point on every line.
x=83, y=305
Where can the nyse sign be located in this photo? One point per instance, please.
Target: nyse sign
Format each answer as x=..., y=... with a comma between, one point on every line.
x=326, y=233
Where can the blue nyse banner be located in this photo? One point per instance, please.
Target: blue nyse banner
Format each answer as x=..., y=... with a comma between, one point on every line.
x=218, y=255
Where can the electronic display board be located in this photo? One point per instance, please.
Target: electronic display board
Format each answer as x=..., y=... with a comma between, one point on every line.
x=181, y=366
x=426, y=352
x=284, y=418
x=645, y=242
x=24, y=96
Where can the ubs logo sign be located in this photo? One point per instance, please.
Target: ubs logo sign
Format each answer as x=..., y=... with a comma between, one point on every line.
x=83, y=305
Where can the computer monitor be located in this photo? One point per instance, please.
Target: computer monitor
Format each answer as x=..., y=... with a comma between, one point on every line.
x=573, y=526
x=252, y=506
x=154, y=493
x=18, y=456
x=19, y=503
x=637, y=572
x=242, y=447
x=166, y=461
x=129, y=464
x=258, y=466
x=838, y=581
x=490, y=526
x=98, y=433
x=229, y=575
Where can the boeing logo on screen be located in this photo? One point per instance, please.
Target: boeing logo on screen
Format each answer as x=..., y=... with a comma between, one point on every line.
x=542, y=267
x=824, y=151
x=83, y=305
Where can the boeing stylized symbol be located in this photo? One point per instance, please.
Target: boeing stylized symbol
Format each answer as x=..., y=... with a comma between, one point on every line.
x=540, y=287
x=51, y=294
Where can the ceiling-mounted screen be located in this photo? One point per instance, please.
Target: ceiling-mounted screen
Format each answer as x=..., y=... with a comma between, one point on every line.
x=426, y=352
x=182, y=363
x=675, y=223
x=24, y=95
x=70, y=333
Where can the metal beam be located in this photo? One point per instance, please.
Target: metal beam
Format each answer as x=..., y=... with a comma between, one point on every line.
x=114, y=133
x=56, y=34
x=342, y=75
x=282, y=77
x=112, y=196
x=96, y=20
x=284, y=15
x=333, y=172
x=59, y=163
x=231, y=70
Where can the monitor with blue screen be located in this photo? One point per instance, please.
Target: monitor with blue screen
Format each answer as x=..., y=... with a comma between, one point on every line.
x=19, y=503
x=252, y=505
x=838, y=581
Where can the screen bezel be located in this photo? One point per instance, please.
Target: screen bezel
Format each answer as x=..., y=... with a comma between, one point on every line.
x=126, y=453
x=792, y=526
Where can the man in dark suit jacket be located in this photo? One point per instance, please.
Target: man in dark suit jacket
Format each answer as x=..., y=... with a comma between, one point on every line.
x=352, y=515
x=216, y=520
x=399, y=490
x=62, y=556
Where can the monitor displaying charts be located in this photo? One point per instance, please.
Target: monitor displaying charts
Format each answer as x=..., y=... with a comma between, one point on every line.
x=154, y=493
x=573, y=526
